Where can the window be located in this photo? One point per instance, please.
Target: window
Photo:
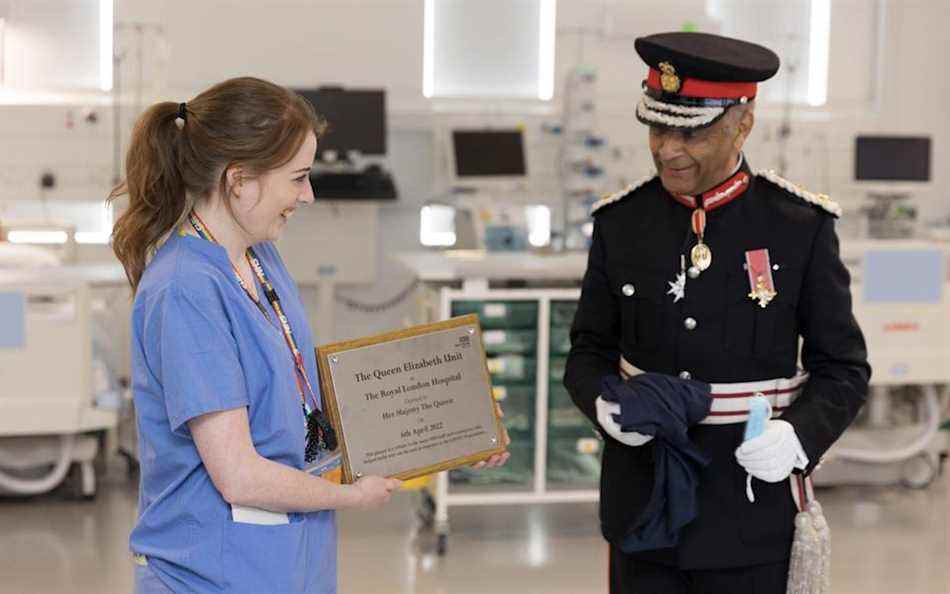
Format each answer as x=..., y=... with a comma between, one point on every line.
x=797, y=30
x=489, y=49
x=56, y=45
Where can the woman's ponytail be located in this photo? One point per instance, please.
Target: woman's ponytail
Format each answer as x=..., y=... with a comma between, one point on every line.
x=157, y=194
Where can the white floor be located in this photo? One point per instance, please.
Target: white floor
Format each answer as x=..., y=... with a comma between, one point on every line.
x=886, y=541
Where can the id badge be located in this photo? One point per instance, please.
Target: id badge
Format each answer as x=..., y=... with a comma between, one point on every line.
x=328, y=467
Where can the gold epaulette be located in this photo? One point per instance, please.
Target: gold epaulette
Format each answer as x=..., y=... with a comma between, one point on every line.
x=617, y=196
x=820, y=200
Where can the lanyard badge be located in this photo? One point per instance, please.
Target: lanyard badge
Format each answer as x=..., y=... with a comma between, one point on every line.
x=320, y=432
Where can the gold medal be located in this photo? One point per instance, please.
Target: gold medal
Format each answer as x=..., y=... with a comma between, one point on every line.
x=762, y=293
x=762, y=284
x=701, y=256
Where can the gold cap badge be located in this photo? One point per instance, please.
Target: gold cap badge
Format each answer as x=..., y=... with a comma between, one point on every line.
x=668, y=79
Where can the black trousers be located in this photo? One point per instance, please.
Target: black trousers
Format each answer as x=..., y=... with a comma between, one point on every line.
x=629, y=576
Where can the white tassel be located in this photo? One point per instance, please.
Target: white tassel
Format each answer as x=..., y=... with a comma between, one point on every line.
x=824, y=537
x=809, y=569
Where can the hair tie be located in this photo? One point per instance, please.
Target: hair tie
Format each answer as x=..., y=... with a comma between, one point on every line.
x=182, y=112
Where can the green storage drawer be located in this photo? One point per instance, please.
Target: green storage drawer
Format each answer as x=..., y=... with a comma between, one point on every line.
x=560, y=341
x=518, y=403
x=565, y=419
x=512, y=368
x=558, y=396
x=500, y=314
x=556, y=367
x=562, y=313
x=519, y=470
x=524, y=342
x=574, y=461
x=568, y=422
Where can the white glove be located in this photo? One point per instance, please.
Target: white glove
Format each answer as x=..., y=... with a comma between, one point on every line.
x=773, y=455
x=605, y=416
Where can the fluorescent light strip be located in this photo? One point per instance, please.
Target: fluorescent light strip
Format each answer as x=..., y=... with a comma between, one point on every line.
x=818, y=44
x=3, y=26
x=42, y=237
x=106, y=17
x=93, y=237
x=428, y=49
x=547, y=21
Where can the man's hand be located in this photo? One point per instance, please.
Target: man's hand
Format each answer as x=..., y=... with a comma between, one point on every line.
x=605, y=416
x=773, y=455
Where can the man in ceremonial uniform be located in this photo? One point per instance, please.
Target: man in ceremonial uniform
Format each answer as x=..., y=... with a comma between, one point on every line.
x=711, y=271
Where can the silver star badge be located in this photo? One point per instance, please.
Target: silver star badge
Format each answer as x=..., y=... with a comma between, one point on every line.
x=678, y=287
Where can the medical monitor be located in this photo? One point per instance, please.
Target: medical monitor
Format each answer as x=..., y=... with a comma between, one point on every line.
x=892, y=158
x=356, y=119
x=485, y=154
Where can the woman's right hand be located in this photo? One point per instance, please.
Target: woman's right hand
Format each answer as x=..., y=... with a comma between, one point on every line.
x=374, y=491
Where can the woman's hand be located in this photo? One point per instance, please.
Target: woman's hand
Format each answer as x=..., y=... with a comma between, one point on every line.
x=498, y=459
x=374, y=491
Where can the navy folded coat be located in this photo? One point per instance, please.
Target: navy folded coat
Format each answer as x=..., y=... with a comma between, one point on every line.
x=665, y=407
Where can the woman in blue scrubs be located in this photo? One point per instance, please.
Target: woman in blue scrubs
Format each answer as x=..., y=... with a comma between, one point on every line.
x=229, y=412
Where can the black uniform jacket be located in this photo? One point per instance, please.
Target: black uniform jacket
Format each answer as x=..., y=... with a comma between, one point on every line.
x=638, y=241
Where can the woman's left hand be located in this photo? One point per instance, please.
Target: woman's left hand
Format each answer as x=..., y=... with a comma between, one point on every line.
x=498, y=459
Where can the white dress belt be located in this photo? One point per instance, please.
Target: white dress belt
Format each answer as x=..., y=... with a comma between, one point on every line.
x=730, y=401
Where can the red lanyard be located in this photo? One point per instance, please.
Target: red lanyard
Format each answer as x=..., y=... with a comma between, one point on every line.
x=300, y=371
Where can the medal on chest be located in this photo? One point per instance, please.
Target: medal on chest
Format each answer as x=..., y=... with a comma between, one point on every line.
x=700, y=255
x=678, y=286
x=761, y=282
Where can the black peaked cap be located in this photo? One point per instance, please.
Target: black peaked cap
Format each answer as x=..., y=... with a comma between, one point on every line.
x=706, y=56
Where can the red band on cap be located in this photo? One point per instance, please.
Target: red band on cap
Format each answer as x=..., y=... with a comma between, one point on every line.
x=707, y=89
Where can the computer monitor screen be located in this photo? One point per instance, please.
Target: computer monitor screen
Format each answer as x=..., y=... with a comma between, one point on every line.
x=488, y=153
x=892, y=158
x=356, y=118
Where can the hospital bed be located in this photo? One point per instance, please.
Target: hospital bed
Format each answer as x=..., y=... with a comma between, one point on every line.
x=57, y=396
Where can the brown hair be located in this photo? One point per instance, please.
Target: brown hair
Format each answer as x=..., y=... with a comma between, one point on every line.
x=173, y=162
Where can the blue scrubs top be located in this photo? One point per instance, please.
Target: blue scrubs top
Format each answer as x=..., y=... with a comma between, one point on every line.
x=200, y=345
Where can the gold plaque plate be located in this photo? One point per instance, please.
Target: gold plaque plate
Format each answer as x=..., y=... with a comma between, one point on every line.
x=412, y=402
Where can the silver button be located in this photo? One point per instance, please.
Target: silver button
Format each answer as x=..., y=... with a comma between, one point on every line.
x=689, y=324
x=686, y=375
x=693, y=272
x=628, y=290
